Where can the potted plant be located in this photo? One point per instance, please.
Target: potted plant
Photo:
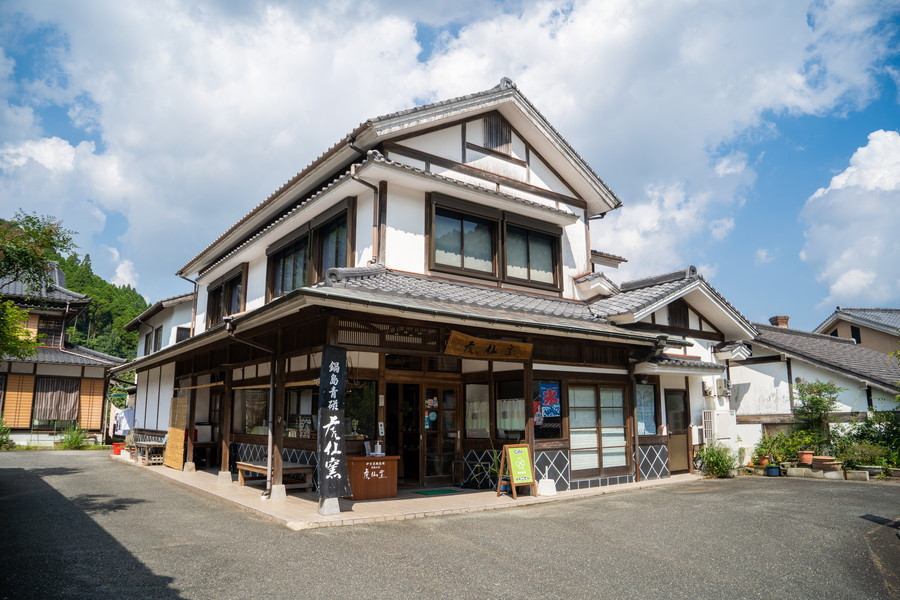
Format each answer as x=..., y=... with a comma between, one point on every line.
x=763, y=451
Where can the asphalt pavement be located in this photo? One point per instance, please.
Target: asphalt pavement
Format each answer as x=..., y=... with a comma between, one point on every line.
x=78, y=525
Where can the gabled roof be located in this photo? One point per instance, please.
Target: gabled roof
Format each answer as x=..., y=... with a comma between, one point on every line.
x=838, y=355
x=71, y=355
x=605, y=258
x=886, y=320
x=157, y=307
x=639, y=297
x=504, y=97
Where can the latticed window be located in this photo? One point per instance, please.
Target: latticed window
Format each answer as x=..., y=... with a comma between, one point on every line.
x=497, y=133
x=50, y=331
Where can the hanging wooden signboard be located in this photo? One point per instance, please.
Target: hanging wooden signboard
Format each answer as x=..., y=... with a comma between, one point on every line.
x=178, y=417
x=461, y=344
x=516, y=467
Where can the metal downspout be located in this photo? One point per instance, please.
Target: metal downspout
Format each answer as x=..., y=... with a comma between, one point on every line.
x=193, y=303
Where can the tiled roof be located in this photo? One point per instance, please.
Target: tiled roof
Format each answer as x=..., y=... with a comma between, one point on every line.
x=72, y=355
x=157, y=307
x=882, y=319
x=51, y=293
x=607, y=256
x=683, y=363
x=598, y=275
x=465, y=300
x=639, y=294
x=835, y=354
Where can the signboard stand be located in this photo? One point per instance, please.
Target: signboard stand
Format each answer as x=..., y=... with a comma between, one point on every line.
x=516, y=467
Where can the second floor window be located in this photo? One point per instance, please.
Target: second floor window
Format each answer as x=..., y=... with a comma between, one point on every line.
x=225, y=298
x=157, y=339
x=332, y=238
x=50, y=331
x=530, y=255
x=463, y=241
x=290, y=268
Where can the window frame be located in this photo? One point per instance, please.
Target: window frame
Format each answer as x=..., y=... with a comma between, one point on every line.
x=157, y=339
x=439, y=202
x=312, y=230
x=627, y=427
x=52, y=328
x=500, y=221
x=531, y=227
x=218, y=294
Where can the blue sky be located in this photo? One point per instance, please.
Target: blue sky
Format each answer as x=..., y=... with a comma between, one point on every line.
x=755, y=140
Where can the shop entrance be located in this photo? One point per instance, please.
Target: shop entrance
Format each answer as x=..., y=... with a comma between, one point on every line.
x=422, y=429
x=679, y=437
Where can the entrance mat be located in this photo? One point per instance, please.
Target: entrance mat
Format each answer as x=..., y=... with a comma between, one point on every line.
x=437, y=492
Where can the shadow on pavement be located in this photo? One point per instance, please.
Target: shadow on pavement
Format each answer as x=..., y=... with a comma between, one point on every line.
x=51, y=548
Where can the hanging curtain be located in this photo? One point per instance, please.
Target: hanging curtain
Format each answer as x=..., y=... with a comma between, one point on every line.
x=56, y=399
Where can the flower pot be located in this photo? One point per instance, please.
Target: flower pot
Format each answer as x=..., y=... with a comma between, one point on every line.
x=773, y=471
x=762, y=461
x=117, y=448
x=804, y=457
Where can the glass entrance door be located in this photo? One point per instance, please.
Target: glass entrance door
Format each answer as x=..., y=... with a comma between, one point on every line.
x=441, y=434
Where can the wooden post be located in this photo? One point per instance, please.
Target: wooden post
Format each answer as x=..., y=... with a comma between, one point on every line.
x=278, y=428
x=225, y=409
x=192, y=419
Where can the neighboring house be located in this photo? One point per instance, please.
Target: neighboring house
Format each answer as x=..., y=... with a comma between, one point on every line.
x=62, y=385
x=762, y=390
x=165, y=323
x=875, y=328
x=447, y=248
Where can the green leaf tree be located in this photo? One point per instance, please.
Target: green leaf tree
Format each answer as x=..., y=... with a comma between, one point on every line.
x=816, y=403
x=27, y=243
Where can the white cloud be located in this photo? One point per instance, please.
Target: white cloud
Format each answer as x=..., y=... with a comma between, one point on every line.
x=764, y=256
x=201, y=109
x=126, y=274
x=851, y=227
x=720, y=228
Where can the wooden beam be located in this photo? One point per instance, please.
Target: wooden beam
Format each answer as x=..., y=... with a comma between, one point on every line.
x=225, y=419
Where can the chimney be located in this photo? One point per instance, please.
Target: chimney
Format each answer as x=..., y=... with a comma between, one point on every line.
x=779, y=320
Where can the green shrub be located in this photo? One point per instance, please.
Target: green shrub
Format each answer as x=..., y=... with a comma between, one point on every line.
x=718, y=460
x=74, y=439
x=816, y=403
x=5, y=442
x=860, y=453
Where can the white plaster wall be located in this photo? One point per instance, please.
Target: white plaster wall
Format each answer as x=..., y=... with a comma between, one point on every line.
x=200, y=317
x=405, y=232
x=574, y=256
x=760, y=389
x=166, y=391
x=475, y=132
x=364, y=232
x=151, y=408
x=517, y=147
x=177, y=316
x=852, y=398
x=493, y=164
x=883, y=401
x=444, y=142
x=747, y=436
x=95, y=372
x=542, y=176
x=256, y=282
x=59, y=370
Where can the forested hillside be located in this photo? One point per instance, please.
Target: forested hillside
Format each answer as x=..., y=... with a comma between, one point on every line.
x=102, y=326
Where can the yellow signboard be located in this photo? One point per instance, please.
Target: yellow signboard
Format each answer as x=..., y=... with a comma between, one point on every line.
x=461, y=344
x=516, y=468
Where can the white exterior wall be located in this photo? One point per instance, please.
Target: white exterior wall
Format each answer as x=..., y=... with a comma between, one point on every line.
x=851, y=399
x=364, y=222
x=155, y=388
x=256, y=282
x=445, y=143
x=405, y=232
x=170, y=319
x=760, y=389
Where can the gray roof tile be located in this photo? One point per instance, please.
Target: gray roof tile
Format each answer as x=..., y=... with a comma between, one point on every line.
x=883, y=319
x=72, y=355
x=52, y=292
x=683, y=363
x=837, y=354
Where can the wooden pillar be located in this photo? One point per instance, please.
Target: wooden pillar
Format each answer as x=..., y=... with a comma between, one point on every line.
x=528, y=392
x=225, y=421
x=278, y=421
x=192, y=419
x=634, y=425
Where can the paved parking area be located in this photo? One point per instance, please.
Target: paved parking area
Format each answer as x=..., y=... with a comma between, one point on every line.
x=77, y=525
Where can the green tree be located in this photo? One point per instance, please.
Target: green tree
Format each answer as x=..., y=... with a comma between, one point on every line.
x=816, y=401
x=27, y=243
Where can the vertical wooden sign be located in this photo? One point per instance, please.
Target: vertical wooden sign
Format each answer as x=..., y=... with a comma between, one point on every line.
x=334, y=481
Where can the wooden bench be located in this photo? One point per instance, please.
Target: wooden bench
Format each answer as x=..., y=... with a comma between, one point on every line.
x=287, y=468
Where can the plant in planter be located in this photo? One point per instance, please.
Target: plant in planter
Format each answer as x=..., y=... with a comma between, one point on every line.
x=763, y=450
x=717, y=460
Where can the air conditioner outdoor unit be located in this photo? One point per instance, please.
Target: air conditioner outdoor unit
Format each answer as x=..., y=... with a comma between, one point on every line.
x=718, y=425
x=723, y=387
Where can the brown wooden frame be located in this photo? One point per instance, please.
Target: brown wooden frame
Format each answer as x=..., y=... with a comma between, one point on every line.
x=628, y=413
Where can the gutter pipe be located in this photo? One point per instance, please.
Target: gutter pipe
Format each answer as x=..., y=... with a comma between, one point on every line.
x=376, y=200
x=193, y=303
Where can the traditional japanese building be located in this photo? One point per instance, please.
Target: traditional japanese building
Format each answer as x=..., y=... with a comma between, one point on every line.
x=63, y=385
x=447, y=248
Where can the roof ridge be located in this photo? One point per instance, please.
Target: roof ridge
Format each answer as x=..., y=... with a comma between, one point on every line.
x=823, y=336
x=687, y=273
